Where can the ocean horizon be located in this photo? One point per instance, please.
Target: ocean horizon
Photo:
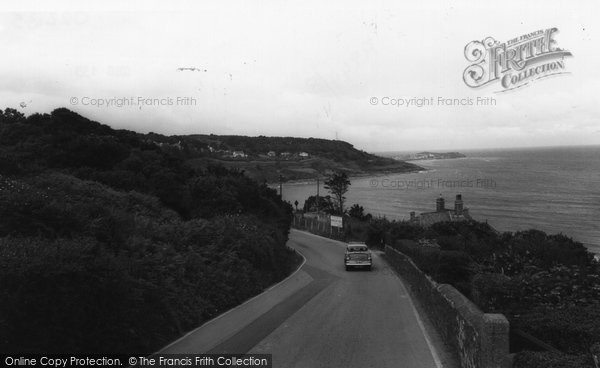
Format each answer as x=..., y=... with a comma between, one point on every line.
x=553, y=189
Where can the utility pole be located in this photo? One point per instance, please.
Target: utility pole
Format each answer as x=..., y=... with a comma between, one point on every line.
x=318, y=201
x=280, y=186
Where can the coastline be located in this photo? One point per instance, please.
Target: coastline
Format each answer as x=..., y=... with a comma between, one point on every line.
x=376, y=174
x=530, y=191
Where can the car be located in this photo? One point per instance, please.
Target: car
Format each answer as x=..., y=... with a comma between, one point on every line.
x=357, y=255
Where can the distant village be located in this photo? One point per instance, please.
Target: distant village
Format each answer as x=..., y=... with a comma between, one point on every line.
x=240, y=155
x=270, y=155
x=429, y=156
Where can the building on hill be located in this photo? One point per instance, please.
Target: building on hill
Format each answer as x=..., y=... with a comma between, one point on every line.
x=303, y=155
x=239, y=154
x=271, y=154
x=442, y=214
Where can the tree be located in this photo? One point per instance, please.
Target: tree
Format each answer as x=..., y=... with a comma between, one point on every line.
x=10, y=116
x=337, y=184
x=358, y=212
x=324, y=204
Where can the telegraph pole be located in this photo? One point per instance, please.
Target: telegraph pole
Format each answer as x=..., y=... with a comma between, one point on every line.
x=280, y=186
x=318, y=201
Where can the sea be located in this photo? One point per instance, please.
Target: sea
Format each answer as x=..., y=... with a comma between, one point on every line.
x=553, y=189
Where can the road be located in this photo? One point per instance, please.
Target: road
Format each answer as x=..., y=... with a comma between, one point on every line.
x=322, y=316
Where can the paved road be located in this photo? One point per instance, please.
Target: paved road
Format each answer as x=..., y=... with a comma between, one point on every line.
x=322, y=316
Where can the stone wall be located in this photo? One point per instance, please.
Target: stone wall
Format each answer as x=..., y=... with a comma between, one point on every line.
x=480, y=340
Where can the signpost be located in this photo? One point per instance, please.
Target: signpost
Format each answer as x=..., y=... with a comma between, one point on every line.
x=337, y=221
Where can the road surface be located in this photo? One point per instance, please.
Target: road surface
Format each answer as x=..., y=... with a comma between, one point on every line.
x=322, y=316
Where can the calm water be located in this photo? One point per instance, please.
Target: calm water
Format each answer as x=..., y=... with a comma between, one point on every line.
x=551, y=189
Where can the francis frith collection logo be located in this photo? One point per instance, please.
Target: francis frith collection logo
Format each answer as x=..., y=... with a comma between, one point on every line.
x=516, y=62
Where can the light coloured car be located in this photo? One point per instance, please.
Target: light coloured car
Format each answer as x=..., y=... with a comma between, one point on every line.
x=357, y=255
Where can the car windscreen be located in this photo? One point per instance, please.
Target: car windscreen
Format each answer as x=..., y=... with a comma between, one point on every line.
x=357, y=249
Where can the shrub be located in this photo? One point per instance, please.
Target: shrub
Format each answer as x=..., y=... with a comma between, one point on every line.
x=376, y=232
x=88, y=268
x=572, y=330
x=355, y=230
x=79, y=295
x=492, y=292
x=454, y=267
x=531, y=359
x=444, y=266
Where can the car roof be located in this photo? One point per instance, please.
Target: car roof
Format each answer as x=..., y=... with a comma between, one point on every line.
x=357, y=245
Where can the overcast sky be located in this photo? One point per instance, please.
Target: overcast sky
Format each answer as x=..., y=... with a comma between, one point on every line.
x=301, y=68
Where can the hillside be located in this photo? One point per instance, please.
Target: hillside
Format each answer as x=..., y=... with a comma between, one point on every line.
x=111, y=243
x=265, y=158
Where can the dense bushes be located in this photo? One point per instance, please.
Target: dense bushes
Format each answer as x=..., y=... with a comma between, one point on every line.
x=444, y=266
x=127, y=161
x=78, y=294
x=109, y=243
x=493, y=292
x=102, y=270
x=534, y=359
x=559, y=287
x=547, y=285
x=573, y=330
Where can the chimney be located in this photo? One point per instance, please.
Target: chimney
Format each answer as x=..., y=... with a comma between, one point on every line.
x=439, y=204
x=458, y=204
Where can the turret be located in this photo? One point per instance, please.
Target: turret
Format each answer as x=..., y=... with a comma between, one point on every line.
x=440, y=206
x=458, y=204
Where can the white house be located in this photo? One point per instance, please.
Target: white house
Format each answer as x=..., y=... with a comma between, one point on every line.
x=239, y=154
x=303, y=154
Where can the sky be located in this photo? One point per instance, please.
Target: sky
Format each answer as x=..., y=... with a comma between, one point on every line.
x=302, y=68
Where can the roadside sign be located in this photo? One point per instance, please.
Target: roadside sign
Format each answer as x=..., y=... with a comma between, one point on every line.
x=337, y=221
